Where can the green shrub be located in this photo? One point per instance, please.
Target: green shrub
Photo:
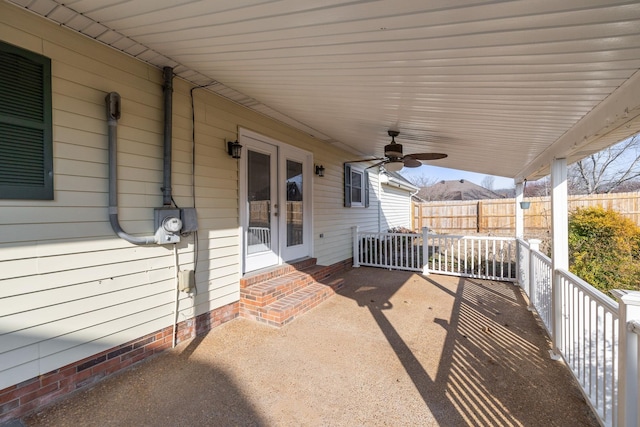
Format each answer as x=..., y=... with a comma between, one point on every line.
x=604, y=249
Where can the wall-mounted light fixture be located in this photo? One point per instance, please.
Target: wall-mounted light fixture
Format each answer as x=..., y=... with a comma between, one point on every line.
x=234, y=149
x=319, y=170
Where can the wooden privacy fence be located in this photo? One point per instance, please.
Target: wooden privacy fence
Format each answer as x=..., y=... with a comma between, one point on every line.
x=498, y=215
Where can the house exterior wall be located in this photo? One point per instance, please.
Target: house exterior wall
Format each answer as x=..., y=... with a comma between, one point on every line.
x=69, y=288
x=395, y=207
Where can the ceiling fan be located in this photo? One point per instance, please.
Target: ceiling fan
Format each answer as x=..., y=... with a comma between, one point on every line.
x=394, y=159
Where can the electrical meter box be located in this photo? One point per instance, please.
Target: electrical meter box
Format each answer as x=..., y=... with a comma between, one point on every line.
x=168, y=225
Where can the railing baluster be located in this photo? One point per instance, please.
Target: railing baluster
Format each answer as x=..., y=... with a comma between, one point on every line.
x=473, y=255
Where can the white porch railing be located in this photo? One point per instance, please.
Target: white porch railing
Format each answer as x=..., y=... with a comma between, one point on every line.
x=399, y=251
x=589, y=331
x=479, y=257
x=597, y=337
x=492, y=258
x=588, y=341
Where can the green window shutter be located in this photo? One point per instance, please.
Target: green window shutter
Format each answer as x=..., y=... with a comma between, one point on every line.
x=347, y=185
x=366, y=189
x=26, y=146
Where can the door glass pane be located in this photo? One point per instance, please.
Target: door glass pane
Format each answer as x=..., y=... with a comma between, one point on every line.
x=294, y=203
x=259, y=198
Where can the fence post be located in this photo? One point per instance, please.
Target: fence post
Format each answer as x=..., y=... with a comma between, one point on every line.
x=425, y=251
x=627, y=398
x=356, y=247
x=534, y=245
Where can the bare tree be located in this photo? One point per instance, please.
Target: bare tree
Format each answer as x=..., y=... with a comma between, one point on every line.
x=421, y=181
x=488, y=182
x=539, y=188
x=606, y=170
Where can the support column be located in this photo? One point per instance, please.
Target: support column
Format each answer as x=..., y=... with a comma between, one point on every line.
x=519, y=211
x=559, y=243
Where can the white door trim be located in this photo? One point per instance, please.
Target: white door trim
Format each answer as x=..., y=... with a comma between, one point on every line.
x=285, y=151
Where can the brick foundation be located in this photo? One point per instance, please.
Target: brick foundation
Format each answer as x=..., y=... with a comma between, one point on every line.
x=20, y=399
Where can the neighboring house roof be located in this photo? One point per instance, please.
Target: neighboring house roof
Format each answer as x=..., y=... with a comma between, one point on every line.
x=457, y=190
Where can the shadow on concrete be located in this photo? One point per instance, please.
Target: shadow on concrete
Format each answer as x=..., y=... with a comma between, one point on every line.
x=170, y=389
x=392, y=348
x=492, y=369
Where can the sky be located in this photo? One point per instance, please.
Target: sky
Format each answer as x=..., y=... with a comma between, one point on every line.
x=454, y=174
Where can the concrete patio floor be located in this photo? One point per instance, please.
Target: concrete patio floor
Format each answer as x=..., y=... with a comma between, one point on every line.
x=392, y=348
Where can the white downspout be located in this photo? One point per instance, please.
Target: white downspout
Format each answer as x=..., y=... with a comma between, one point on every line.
x=411, y=213
x=177, y=295
x=379, y=203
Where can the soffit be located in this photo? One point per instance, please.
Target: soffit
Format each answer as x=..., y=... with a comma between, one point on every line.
x=500, y=86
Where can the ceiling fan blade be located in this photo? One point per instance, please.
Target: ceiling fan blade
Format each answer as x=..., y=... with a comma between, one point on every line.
x=428, y=156
x=410, y=162
x=378, y=164
x=364, y=160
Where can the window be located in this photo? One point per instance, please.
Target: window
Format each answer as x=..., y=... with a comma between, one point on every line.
x=26, y=153
x=356, y=187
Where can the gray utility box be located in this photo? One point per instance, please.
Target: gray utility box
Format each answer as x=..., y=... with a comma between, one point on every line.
x=189, y=220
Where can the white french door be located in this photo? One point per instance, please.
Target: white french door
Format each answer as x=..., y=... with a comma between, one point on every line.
x=275, y=200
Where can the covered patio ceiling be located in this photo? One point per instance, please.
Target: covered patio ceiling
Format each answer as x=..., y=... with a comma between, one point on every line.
x=502, y=87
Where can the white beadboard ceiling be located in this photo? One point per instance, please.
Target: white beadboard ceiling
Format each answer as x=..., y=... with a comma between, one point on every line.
x=502, y=87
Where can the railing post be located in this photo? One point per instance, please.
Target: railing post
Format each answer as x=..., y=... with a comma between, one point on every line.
x=556, y=315
x=534, y=245
x=627, y=398
x=425, y=251
x=519, y=255
x=356, y=247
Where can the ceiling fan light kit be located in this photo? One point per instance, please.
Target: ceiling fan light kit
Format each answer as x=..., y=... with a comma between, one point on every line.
x=394, y=166
x=394, y=160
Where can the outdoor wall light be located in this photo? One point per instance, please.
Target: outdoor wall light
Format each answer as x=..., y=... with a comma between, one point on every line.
x=319, y=170
x=234, y=149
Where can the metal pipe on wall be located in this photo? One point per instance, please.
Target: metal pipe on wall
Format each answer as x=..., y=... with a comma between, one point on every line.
x=167, y=88
x=113, y=115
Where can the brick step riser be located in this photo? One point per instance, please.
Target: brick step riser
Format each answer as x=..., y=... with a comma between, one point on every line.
x=282, y=317
x=278, y=272
x=273, y=293
x=275, y=299
x=283, y=312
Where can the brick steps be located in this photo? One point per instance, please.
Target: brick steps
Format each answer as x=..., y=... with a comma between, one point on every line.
x=278, y=296
x=262, y=275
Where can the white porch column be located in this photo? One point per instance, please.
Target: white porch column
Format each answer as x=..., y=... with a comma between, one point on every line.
x=559, y=242
x=519, y=211
x=559, y=215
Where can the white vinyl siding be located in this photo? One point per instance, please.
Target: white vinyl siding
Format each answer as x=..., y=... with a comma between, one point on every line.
x=69, y=287
x=395, y=208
